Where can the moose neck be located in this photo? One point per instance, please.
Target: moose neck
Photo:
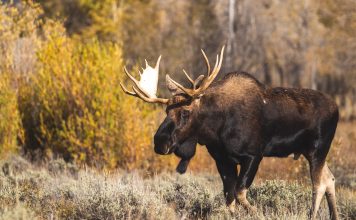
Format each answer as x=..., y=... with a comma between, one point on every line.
x=234, y=94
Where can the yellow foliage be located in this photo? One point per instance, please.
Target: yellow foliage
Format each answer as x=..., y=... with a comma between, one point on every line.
x=9, y=117
x=140, y=124
x=17, y=29
x=73, y=105
x=86, y=19
x=68, y=95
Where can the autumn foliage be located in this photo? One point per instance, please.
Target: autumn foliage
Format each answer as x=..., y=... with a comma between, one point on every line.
x=62, y=61
x=68, y=103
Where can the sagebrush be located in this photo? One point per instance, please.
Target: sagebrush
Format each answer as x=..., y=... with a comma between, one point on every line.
x=62, y=191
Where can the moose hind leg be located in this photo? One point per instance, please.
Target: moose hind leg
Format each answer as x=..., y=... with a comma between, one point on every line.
x=323, y=183
x=319, y=187
x=330, y=193
x=242, y=200
x=322, y=179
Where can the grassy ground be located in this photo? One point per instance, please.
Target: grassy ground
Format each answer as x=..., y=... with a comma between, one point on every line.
x=62, y=191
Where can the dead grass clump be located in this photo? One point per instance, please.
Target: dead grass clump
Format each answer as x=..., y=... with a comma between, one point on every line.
x=190, y=196
x=281, y=196
x=59, y=166
x=14, y=165
x=19, y=212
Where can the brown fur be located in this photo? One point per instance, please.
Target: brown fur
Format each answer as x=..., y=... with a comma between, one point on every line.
x=241, y=121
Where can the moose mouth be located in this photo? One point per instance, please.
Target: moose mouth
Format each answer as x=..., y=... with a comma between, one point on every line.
x=166, y=149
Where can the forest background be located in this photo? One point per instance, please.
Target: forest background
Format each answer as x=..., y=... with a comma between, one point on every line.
x=61, y=62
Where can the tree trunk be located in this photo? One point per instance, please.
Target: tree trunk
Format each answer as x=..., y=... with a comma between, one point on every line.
x=229, y=49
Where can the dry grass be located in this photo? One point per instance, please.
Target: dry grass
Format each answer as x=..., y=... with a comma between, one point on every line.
x=62, y=191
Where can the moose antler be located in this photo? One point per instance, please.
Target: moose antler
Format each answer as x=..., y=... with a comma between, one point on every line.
x=146, y=88
x=206, y=81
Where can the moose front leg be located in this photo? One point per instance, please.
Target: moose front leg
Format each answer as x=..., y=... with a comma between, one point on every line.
x=249, y=166
x=228, y=174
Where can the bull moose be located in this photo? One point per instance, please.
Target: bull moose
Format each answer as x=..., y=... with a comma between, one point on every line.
x=240, y=121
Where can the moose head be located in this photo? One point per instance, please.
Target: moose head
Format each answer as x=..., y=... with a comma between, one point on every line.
x=176, y=133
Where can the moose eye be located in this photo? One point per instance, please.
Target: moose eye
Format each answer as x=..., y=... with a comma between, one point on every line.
x=185, y=114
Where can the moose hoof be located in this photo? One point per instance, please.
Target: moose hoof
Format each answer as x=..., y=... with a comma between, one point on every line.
x=182, y=166
x=252, y=209
x=232, y=207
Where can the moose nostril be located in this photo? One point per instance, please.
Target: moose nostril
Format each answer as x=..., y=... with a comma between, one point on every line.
x=163, y=149
x=156, y=149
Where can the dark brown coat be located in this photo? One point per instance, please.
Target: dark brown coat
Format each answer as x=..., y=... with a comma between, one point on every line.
x=241, y=121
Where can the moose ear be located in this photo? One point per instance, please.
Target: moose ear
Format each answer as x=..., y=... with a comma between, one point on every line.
x=172, y=87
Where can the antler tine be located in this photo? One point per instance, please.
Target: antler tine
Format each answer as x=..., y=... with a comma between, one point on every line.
x=140, y=94
x=220, y=61
x=207, y=80
x=130, y=76
x=127, y=91
x=211, y=77
x=214, y=72
x=135, y=81
x=207, y=61
x=189, y=92
x=190, y=79
x=218, y=64
x=158, y=61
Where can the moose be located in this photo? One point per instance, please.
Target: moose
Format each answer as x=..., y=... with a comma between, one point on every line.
x=240, y=121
